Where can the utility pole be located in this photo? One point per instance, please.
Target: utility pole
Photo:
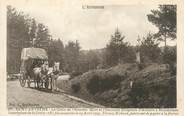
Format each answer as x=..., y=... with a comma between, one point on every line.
x=138, y=57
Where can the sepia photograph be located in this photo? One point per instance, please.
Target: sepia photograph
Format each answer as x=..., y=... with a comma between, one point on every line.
x=91, y=56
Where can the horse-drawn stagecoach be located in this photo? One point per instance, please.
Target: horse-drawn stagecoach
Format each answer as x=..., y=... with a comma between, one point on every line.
x=31, y=69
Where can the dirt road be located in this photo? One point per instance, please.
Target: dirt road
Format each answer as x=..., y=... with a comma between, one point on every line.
x=18, y=96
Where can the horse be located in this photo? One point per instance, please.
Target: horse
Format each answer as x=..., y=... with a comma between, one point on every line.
x=37, y=76
x=40, y=73
x=44, y=72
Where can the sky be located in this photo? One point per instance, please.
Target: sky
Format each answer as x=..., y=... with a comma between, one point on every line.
x=93, y=27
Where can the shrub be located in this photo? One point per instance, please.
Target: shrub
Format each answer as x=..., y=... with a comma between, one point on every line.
x=93, y=84
x=149, y=49
x=169, y=57
x=75, y=73
x=138, y=94
x=110, y=82
x=97, y=84
x=76, y=87
x=154, y=96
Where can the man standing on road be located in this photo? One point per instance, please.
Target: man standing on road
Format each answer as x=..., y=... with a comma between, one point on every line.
x=56, y=72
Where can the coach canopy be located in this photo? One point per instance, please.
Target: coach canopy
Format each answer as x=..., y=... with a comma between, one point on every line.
x=33, y=53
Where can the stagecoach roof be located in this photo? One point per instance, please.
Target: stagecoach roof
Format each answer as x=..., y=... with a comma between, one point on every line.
x=33, y=53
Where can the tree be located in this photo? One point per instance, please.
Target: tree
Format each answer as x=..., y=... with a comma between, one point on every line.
x=72, y=50
x=33, y=31
x=21, y=30
x=93, y=60
x=43, y=37
x=117, y=50
x=165, y=20
x=149, y=48
x=56, y=52
x=17, y=37
x=83, y=62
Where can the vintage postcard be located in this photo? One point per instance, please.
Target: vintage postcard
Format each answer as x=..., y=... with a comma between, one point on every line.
x=62, y=57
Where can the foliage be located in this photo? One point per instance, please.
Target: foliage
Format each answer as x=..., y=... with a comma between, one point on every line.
x=165, y=20
x=118, y=51
x=72, y=56
x=93, y=60
x=75, y=74
x=99, y=84
x=149, y=49
x=93, y=85
x=17, y=37
x=56, y=52
x=42, y=37
x=33, y=30
x=83, y=62
x=76, y=87
x=155, y=96
x=169, y=57
x=22, y=32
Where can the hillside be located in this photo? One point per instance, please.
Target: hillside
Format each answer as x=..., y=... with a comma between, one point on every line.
x=126, y=86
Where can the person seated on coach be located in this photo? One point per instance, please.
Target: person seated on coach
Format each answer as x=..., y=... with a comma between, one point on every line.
x=45, y=68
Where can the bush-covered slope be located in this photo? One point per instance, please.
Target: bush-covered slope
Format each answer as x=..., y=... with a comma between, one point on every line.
x=127, y=86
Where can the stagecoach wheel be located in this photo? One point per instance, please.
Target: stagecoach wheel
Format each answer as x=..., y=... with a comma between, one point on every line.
x=22, y=80
x=50, y=82
x=47, y=84
x=28, y=82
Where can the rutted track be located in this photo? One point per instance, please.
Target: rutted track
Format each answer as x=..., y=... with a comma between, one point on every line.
x=18, y=96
